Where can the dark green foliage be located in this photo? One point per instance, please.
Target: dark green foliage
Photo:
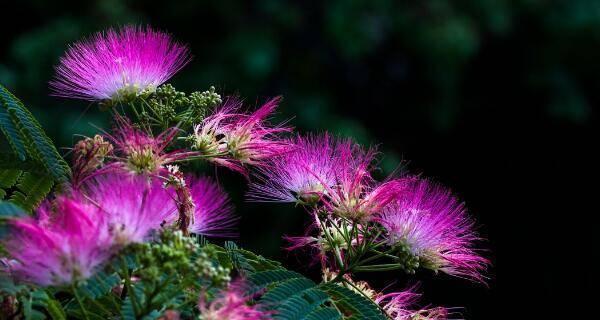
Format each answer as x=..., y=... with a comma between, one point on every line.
x=292, y=296
x=99, y=285
x=36, y=165
x=42, y=300
x=8, y=178
x=352, y=304
x=324, y=314
x=112, y=293
x=27, y=138
x=30, y=190
x=247, y=262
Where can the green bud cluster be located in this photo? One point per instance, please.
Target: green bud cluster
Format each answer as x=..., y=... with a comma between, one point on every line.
x=180, y=256
x=206, y=99
x=170, y=107
x=165, y=101
x=406, y=258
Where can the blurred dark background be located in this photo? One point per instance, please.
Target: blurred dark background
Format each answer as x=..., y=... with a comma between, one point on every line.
x=495, y=99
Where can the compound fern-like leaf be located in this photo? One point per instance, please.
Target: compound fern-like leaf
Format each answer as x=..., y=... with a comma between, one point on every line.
x=27, y=138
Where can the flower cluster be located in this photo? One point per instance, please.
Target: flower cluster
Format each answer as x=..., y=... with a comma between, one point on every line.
x=334, y=172
x=421, y=223
x=133, y=211
x=72, y=236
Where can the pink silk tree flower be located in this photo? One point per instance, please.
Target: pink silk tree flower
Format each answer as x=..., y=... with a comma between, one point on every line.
x=431, y=224
x=302, y=175
x=357, y=195
x=213, y=212
x=59, y=248
x=234, y=139
x=400, y=306
x=231, y=304
x=118, y=64
x=133, y=206
x=138, y=152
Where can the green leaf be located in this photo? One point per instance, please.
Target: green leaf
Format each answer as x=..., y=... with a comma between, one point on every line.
x=152, y=315
x=31, y=190
x=8, y=285
x=289, y=294
x=37, y=300
x=265, y=278
x=286, y=289
x=9, y=161
x=354, y=305
x=248, y=262
x=28, y=311
x=11, y=132
x=324, y=314
x=8, y=178
x=55, y=310
x=9, y=210
x=99, y=285
x=27, y=138
x=301, y=303
x=127, y=311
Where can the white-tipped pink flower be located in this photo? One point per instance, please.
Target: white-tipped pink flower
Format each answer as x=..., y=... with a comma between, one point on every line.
x=301, y=175
x=400, y=306
x=118, y=64
x=357, y=195
x=333, y=171
x=433, y=225
x=234, y=139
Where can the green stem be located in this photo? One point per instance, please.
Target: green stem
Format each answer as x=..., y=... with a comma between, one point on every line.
x=377, y=256
x=379, y=267
x=336, y=250
x=80, y=302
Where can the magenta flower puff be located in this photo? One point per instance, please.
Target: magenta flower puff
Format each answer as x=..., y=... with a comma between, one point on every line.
x=234, y=139
x=231, y=304
x=138, y=152
x=213, y=214
x=431, y=223
x=357, y=195
x=59, y=248
x=132, y=205
x=400, y=306
x=118, y=64
x=301, y=175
